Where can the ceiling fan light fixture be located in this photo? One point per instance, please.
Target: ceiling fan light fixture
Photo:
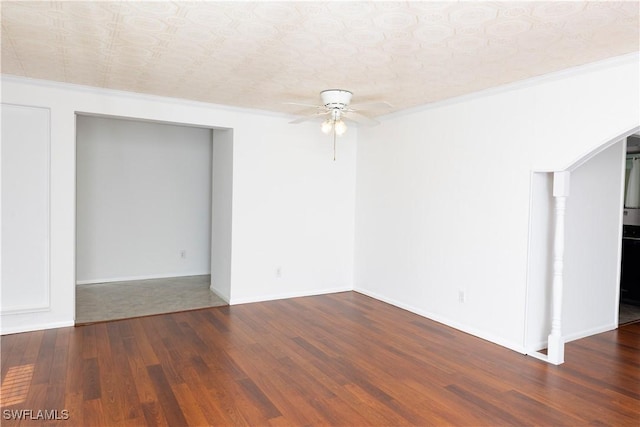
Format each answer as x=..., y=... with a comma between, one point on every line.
x=326, y=126
x=341, y=127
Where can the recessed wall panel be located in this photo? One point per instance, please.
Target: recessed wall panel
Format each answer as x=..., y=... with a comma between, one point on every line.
x=25, y=209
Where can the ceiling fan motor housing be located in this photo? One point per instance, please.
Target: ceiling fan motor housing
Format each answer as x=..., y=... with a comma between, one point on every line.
x=336, y=98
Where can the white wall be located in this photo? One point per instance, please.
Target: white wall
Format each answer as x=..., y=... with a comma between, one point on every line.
x=222, y=225
x=293, y=207
x=593, y=244
x=443, y=193
x=293, y=212
x=143, y=196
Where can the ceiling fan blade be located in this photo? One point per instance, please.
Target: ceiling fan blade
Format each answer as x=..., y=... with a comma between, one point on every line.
x=301, y=119
x=304, y=105
x=361, y=118
x=372, y=105
x=309, y=117
x=308, y=112
x=337, y=105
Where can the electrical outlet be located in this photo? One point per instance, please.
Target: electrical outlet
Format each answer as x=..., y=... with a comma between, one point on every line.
x=183, y=254
x=279, y=272
x=461, y=296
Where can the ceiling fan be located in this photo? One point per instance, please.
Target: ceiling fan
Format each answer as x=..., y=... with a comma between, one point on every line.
x=335, y=110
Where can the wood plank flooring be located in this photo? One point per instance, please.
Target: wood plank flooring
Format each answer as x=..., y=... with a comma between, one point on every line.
x=340, y=359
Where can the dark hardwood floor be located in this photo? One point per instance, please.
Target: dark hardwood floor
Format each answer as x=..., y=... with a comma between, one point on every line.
x=341, y=359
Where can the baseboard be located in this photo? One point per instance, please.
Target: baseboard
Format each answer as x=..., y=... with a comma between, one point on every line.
x=143, y=277
x=273, y=297
x=589, y=332
x=445, y=321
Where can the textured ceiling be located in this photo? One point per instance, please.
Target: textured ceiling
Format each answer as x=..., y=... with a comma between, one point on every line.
x=263, y=54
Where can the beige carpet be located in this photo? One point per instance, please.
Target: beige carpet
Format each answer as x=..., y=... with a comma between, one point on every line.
x=122, y=300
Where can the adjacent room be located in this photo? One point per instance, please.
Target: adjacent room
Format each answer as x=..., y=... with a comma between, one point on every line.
x=394, y=213
x=143, y=218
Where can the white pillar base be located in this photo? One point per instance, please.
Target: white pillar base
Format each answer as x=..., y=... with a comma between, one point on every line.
x=555, y=349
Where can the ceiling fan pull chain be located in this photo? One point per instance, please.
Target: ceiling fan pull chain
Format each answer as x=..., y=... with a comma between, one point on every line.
x=334, y=143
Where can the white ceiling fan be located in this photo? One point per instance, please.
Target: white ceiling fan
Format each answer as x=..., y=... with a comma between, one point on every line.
x=336, y=109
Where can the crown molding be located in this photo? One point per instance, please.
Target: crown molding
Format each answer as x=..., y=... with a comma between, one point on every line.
x=100, y=91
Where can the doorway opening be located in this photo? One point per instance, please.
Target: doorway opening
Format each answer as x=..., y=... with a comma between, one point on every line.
x=592, y=255
x=630, y=264
x=145, y=227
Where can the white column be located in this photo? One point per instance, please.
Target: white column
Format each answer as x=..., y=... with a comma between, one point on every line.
x=555, y=345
